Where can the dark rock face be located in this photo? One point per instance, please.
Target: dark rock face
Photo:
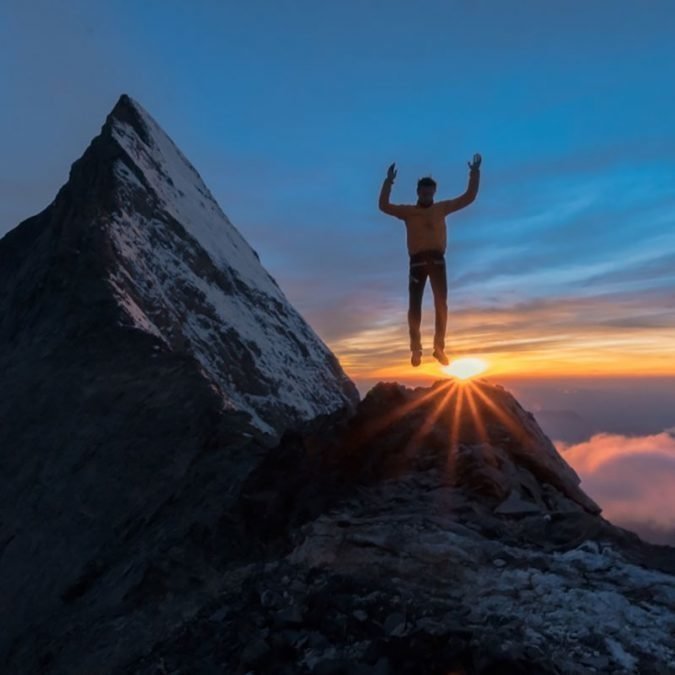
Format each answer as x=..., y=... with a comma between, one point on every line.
x=140, y=340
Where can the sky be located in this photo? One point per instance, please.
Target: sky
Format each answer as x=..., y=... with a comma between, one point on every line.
x=562, y=268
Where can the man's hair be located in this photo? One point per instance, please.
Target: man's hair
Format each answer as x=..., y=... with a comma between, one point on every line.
x=426, y=180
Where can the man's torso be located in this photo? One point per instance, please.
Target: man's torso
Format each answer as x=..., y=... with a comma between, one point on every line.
x=425, y=229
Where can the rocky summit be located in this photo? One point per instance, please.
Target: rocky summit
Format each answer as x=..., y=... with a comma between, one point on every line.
x=191, y=484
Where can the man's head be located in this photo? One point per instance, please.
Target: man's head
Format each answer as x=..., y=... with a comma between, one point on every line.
x=426, y=187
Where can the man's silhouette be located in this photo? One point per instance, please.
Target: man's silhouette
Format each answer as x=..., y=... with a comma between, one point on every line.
x=426, y=240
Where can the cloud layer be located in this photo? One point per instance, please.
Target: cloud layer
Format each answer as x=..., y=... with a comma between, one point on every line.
x=631, y=477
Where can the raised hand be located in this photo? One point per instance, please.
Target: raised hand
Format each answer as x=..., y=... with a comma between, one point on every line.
x=476, y=161
x=391, y=172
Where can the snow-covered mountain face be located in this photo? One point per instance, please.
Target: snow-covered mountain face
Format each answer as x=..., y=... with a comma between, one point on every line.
x=184, y=273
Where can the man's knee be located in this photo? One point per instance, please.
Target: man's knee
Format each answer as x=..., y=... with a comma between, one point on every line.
x=414, y=282
x=414, y=291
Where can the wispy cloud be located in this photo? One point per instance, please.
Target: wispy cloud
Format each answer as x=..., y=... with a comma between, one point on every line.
x=620, y=333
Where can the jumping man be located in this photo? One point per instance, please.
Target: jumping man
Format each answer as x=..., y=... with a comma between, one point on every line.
x=426, y=240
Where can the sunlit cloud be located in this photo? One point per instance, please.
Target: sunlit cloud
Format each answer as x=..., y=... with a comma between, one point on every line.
x=631, y=477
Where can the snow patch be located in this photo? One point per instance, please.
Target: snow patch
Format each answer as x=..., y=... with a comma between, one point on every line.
x=167, y=288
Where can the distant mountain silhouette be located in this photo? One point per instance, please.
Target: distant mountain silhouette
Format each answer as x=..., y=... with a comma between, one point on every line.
x=565, y=425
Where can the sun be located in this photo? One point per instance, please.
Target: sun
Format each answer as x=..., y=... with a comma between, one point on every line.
x=465, y=368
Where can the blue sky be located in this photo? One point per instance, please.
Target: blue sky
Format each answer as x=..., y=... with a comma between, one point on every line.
x=292, y=111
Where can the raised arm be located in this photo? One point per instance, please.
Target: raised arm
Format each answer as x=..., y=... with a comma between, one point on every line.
x=398, y=210
x=450, y=205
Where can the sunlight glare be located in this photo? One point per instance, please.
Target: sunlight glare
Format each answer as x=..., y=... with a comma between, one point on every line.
x=465, y=368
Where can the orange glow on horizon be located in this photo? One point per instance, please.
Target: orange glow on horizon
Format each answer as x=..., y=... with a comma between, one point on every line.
x=546, y=341
x=395, y=365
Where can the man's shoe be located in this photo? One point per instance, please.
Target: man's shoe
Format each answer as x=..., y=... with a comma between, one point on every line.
x=416, y=357
x=439, y=355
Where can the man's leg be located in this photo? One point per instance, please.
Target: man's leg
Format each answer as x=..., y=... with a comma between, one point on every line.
x=439, y=286
x=417, y=277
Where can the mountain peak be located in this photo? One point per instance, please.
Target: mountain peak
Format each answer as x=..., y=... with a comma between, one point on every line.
x=131, y=112
x=137, y=227
x=152, y=157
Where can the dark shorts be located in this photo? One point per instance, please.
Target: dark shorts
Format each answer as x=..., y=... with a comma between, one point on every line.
x=421, y=257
